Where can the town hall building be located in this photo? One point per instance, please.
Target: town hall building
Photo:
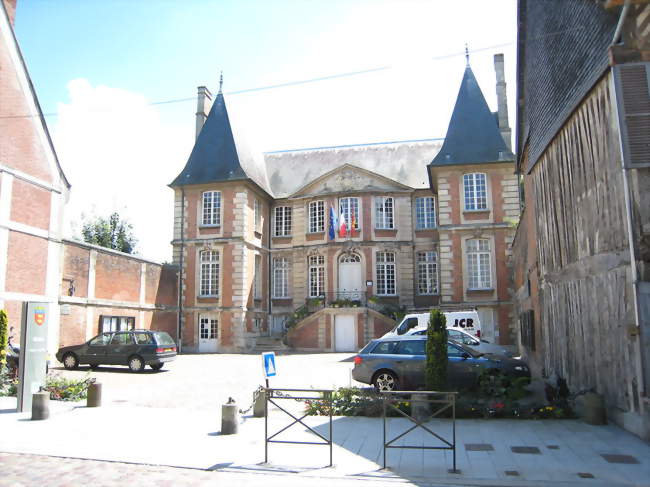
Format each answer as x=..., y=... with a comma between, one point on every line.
x=330, y=245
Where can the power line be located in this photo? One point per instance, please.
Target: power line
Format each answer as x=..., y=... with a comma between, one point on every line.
x=292, y=83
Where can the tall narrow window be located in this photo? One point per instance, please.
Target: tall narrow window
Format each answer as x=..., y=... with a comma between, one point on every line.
x=427, y=265
x=475, y=191
x=425, y=214
x=316, y=276
x=478, y=263
x=282, y=221
x=257, y=280
x=257, y=212
x=209, y=261
x=384, y=213
x=349, y=208
x=316, y=216
x=211, y=208
x=386, y=273
x=280, y=278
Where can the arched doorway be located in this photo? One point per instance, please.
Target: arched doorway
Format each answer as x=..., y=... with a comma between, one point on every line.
x=350, y=278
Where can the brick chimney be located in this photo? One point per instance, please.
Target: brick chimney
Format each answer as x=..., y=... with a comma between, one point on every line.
x=10, y=7
x=203, y=105
x=502, y=101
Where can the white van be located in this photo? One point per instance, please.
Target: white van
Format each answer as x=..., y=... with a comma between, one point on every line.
x=467, y=321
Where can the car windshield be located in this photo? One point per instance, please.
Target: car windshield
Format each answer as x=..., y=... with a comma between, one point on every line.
x=163, y=338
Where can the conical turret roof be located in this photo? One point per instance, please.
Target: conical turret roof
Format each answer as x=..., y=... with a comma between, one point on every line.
x=473, y=136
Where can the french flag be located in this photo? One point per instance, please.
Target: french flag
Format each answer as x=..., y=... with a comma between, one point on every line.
x=343, y=229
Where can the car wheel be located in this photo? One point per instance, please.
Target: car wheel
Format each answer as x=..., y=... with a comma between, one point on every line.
x=70, y=361
x=156, y=366
x=136, y=364
x=385, y=381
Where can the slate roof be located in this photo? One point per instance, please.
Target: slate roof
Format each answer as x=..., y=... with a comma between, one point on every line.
x=473, y=135
x=218, y=156
x=562, y=52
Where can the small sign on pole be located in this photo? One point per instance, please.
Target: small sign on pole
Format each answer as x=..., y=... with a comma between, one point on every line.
x=268, y=361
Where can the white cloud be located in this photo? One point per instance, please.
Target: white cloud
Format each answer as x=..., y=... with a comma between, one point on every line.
x=119, y=156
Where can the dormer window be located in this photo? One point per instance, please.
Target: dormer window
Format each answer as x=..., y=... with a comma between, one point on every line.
x=211, y=208
x=475, y=187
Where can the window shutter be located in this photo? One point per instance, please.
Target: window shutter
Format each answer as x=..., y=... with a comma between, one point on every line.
x=632, y=84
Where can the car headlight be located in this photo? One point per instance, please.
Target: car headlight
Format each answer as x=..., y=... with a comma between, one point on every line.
x=521, y=368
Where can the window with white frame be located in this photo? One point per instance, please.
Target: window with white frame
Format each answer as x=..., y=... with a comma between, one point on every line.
x=316, y=216
x=475, y=189
x=257, y=212
x=349, y=208
x=211, y=208
x=386, y=273
x=316, y=276
x=425, y=213
x=208, y=328
x=427, y=266
x=282, y=221
x=116, y=323
x=384, y=213
x=478, y=263
x=209, y=273
x=281, y=277
x=257, y=279
x=257, y=323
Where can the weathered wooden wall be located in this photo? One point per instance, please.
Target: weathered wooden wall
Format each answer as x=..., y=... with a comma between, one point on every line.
x=585, y=292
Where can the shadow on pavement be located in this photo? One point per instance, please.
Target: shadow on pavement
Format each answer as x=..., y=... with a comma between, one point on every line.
x=115, y=370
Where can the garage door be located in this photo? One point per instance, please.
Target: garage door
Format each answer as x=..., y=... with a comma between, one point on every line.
x=344, y=334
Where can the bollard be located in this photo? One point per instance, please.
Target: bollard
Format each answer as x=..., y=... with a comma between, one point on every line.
x=229, y=418
x=94, y=398
x=40, y=405
x=259, y=406
x=594, y=409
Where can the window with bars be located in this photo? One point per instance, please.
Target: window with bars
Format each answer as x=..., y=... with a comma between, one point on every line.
x=316, y=276
x=427, y=266
x=282, y=221
x=475, y=189
x=116, y=323
x=208, y=328
x=257, y=279
x=209, y=273
x=478, y=263
x=384, y=213
x=425, y=214
x=281, y=277
x=211, y=208
x=316, y=216
x=257, y=212
x=386, y=273
x=349, y=208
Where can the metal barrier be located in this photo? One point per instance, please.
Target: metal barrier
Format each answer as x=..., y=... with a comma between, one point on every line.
x=272, y=395
x=442, y=401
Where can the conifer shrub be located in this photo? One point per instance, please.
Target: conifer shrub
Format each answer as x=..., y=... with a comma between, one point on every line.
x=435, y=372
x=4, y=338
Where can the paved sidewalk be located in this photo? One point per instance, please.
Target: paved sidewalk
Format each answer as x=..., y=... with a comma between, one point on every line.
x=489, y=452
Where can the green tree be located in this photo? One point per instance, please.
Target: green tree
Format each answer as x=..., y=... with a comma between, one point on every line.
x=112, y=233
x=436, y=365
x=4, y=338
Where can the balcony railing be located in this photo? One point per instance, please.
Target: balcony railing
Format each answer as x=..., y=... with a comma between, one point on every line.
x=343, y=299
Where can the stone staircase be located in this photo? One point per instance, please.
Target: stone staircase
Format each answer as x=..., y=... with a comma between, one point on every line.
x=269, y=344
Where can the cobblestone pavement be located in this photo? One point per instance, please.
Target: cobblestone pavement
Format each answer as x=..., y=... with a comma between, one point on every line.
x=21, y=470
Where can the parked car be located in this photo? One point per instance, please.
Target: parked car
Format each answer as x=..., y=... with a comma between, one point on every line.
x=135, y=348
x=476, y=344
x=397, y=363
x=467, y=321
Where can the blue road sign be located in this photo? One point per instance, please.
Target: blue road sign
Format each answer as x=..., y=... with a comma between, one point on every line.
x=268, y=360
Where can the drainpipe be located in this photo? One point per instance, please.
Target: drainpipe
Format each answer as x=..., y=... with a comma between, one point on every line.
x=180, y=275
x=269, y=291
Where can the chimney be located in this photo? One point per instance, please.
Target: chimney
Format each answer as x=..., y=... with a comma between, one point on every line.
x=502, y=101
x=203, y=105
x=10, y=8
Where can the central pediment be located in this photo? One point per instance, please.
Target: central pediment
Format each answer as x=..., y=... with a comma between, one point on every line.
x=349, y=178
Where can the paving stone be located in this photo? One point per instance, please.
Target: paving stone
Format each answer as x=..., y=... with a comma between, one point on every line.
x=533, y=450
x=616, y=458
x=479, y=447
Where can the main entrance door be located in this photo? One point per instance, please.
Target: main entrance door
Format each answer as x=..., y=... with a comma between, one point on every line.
x=208, y=329
x=350, y=283
x=344, y=336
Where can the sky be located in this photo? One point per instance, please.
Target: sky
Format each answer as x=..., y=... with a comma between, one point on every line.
x=117, y=81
